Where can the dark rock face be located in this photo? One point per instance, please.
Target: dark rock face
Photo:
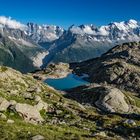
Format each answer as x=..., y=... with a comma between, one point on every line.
x=77, y=48
x=11, y=55
x=17, y=50
x=120, y=66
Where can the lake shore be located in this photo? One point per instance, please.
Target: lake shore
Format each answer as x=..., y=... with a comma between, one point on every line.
x=54, y=71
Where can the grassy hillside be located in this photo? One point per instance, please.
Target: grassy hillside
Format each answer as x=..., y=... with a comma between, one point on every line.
x=56, y=117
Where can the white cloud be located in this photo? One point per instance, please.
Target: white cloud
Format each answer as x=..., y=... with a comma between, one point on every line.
x=7, y=21
x=103, y=31
x=88, y=30
x=77, y=30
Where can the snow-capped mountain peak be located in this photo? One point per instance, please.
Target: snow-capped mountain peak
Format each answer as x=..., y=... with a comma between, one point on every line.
x=82, y=29
x=125, y=25
x=44, y=33
x=125, y=30
x=133, y=23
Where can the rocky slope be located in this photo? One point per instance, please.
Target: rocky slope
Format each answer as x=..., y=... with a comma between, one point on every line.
x=31, y=110
x=119, y=67
x=115, y=82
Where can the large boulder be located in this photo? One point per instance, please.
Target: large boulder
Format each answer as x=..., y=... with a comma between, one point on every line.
x=40, y=104
x=38, y=137
x=29, y=113
x=112, y=100
x=4, y=104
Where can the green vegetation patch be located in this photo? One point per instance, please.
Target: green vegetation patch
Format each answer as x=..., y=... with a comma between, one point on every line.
x=3, y=69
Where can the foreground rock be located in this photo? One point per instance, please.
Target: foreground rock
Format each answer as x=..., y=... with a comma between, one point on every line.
x=29, y=113
x=38, y=137
x=10, y=121
x=106, y=98
x=4, y=104
x=112, y=100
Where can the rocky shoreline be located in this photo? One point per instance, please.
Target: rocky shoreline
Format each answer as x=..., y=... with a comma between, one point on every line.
x=53, y=71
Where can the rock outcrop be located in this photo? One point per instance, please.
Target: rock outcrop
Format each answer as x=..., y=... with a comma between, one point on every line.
x=112, y=100
x=106, y=98
x=29, y=113
x=59, y=70
x=4, y=104
x=118, y=67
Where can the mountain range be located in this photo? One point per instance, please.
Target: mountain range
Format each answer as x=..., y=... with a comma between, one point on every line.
x=36, y=45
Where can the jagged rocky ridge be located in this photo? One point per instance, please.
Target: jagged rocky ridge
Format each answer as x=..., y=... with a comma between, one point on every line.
x=44, y=33
x=82, y=42
x=119, y=67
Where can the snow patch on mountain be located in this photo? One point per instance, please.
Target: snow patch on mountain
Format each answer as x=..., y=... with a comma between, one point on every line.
x=21, y=41
x=125, y=26
x=26, y=43
x=88, y=30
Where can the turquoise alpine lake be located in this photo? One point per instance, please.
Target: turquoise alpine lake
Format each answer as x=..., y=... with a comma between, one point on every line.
x=70, y=81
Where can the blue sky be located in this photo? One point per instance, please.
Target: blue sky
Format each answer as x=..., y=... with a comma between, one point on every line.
x=67, y=12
